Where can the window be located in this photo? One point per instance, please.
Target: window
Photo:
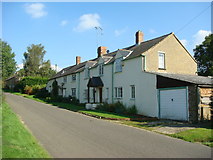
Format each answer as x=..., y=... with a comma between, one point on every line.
x=161, y=60
x=101, y=69
x=73, y=92
x=87, y=73
x=143, y=63
x=118, y=92
x=118, y=65
x=132, y=93
x=65, y=79
x=74, y=77
x=107, y=93
x=86, y=93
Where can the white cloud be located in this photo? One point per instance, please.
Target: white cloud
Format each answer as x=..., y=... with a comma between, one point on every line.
x=184, y=42
x=199, y=37
x=88, y=21
x=36, y=10
x=20, y=66
x=120, y=32
x=64, y=23
x=152, y=31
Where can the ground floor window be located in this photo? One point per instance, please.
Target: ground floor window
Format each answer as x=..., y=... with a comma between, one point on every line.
x=73, y=92
x=118, y=92
x=132, y=91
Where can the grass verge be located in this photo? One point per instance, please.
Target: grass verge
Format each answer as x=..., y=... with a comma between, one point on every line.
x=201, y=135
x=17, y=140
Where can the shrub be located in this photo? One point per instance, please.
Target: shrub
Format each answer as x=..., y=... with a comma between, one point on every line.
x=119, y=107
x=28, y=90
x=132, y=110
x=42, y=93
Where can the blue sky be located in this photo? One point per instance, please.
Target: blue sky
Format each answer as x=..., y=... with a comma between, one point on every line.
x=67, y=29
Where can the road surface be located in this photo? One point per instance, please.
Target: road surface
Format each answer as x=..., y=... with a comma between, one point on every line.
x=67, y=134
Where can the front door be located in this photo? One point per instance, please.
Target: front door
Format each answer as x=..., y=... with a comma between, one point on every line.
x=100, y=95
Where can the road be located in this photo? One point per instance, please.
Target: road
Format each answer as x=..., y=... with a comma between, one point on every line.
x=67, y=134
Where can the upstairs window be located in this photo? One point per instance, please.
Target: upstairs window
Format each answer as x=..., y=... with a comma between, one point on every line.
x=101, y=69
x=118, y=65
x=65, y=79
x=74, y=77
x=161, y=60
x=87, y=72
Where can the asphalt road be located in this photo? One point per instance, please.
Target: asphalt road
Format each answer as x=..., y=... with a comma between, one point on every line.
x=67, y=134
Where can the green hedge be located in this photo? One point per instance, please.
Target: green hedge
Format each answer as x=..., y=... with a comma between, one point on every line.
x=30, y=81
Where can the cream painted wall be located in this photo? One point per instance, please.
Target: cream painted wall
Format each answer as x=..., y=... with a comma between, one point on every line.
x=177, y=59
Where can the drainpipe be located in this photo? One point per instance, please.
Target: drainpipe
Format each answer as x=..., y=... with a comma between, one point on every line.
x=112, y=82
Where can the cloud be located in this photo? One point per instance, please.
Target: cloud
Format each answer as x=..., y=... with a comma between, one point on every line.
x=152, y=31
x=64, y=23
x=36, y=10
x=184, y=42
x=88, y=21
x=199, y=37
x=20, y=66
x=120, y=32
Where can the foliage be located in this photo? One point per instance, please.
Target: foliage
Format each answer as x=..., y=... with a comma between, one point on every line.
x=54, y=92
x=28, y=90
x=34, y=64
x=203, y=54
x=17, y=141
x=8, y=60
x=42, y=93
x=117, y=107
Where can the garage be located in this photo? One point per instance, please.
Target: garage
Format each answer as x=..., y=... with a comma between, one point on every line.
x=173, y=103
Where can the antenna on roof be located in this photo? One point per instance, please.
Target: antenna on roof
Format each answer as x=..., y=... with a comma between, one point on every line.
x=99, y=33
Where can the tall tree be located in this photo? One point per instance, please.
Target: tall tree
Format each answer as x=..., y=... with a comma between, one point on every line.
x=203, y=53
x=8, y=60
x=34, y=64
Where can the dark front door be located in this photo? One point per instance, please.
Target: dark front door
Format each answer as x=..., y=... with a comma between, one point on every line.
x=100, y=95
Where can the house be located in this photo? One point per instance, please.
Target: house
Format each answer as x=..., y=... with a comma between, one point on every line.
x=11, y=82
x=135, y=76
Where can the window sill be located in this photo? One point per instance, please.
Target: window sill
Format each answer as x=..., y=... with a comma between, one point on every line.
x=161, y=68
x=132, y=99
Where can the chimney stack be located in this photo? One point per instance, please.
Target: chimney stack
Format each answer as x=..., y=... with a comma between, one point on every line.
x=139, y=37
x=78, y=60
x=102, y=50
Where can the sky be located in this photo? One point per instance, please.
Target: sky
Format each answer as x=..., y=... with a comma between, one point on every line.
x=67, y=29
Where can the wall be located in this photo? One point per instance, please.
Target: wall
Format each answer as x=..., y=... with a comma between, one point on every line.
x=145, y=83
x=177, y=59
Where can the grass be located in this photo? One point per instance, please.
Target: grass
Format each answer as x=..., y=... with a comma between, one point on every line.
x=202, y=135
x=17, y=140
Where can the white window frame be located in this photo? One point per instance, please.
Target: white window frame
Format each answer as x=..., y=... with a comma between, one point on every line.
x=65, y=79
x=118, y=65
x=74, y=77
x=132, y=91
x=161, y=60
x=87, y=73
x=73, y=92
x=101, y=69
x=118, y=92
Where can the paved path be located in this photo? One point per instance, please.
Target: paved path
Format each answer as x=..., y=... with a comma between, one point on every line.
x=66, y=134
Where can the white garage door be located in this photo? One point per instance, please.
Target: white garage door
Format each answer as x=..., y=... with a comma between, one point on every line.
x=173, y=104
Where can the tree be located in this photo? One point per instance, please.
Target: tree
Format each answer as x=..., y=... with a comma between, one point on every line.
x=34, y=64
x=54, y=92
x=8, y=60
x=203, y=53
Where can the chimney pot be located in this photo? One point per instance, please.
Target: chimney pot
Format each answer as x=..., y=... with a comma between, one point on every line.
x=139, y=37
x=102, y=50
x=78, y=60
